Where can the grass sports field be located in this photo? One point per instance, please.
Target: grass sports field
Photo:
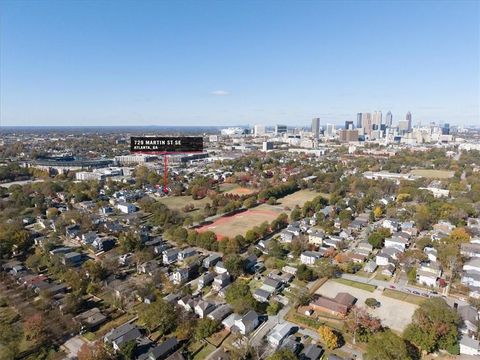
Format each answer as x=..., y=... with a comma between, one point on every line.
x=433, y=174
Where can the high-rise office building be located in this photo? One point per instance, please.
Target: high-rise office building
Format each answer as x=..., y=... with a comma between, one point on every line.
x=316, y=128
x=359, y=120
x=259, y=130
x=280, y=129
x=330, y=131
x=377, y=120
x=446, y=129
x=389, y=119
x=408, y=117
x=349, y=125
x=367, y=123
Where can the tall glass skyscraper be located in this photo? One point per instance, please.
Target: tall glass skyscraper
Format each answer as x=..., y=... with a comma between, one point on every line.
x=389, y=119
x=408, y=117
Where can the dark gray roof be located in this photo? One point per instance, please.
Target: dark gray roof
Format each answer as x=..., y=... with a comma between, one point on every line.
x=312, y=352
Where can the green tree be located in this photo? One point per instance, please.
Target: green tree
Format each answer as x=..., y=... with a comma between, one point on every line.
x=240, y=297
x=206, y=327
x=128, y=349
x=434, y=326
x=283, y=354
x=274, y=307
x=234, y=265
x=386, y=345
x=159, y=316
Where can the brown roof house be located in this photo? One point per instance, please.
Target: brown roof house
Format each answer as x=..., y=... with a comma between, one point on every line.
x=338, y=306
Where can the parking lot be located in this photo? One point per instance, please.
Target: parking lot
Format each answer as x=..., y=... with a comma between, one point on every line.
x=393, y=313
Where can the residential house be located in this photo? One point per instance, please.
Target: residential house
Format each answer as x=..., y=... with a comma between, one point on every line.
x=89, y=237
x=247, y=323
x=180, y=275
x=203, y=308
x=90, y=319
x=211, y=260
x=397, y=242
x=220, y=281
x=170, y=256
x=261, y=295
x=220, y=268
x=391, y=225
x=290, y=270
x=370, y=266
x=187, y=303
x=388, y=270
x=278, y=334
x=72, y=259
x=470, y=250
x=149, y=267
x=186, y=253
x=160, y=351
x=271, y=285
x=333, y=241
x=469, y=346
x=126, y=208
x=431, y=253
x=122, y=334
x=338, y=306
x=205, y=279
x=309, y=257
x=311, y=352
x=470, y=319
x=445, y=227
x=220, y=312
x=316, y=237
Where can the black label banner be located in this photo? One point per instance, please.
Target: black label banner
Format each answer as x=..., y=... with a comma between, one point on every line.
x=169, y=144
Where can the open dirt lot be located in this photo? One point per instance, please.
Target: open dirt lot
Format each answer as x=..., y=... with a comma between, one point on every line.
x=238, y=224
x=393, y=313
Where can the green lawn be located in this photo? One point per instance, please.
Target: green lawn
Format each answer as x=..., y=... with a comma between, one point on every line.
x=207, y=350
x=413, y=299
x=433, y=174
x=356, y=284
x=178, y=202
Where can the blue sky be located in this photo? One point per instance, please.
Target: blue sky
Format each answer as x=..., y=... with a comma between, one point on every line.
x=236, y=62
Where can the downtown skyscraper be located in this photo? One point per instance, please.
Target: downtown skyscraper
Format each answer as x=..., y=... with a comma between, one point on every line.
x=389, y=119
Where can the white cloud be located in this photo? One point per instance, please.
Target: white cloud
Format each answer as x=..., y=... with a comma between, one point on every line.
x=220, y=93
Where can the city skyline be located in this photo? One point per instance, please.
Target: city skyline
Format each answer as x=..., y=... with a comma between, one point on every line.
x=65, y=65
